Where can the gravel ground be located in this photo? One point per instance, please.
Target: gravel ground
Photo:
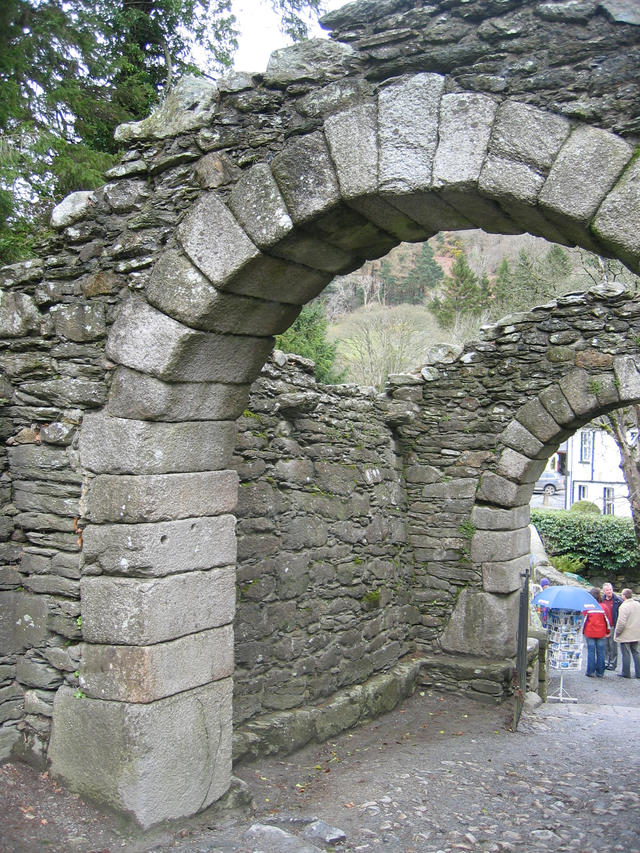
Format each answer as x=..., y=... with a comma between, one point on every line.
x=440, y=773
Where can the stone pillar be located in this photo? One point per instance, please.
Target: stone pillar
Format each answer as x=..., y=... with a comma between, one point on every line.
x=153, y=711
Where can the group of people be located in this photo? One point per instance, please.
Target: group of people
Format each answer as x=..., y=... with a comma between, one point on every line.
x=617, y=623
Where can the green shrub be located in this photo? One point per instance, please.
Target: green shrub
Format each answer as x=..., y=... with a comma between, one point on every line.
x=585, y=506
x=604, y=544
x=567, y=563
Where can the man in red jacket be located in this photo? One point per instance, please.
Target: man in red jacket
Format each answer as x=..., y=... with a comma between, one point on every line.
x=596, y=629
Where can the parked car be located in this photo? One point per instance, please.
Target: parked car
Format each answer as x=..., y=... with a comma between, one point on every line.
x=549, y=483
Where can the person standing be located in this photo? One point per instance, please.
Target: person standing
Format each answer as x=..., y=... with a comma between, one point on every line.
x=628, y=633
x=610, y=604
x=595, y=629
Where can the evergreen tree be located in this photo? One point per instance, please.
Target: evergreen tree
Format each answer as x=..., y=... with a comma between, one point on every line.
x=308, y=337
x=461, y=293
x=72, y=70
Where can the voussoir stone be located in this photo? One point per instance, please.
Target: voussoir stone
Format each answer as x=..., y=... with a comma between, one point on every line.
x=150, y=342
x=579, y=389
x=463, y=137
x=148, y=769
x=528, y=135
x=139, y=396
x=178, y=289
x=160, y=549
x=126, y=673
x=585, y=170
x=536, y=419
x=408, y=114
x=518, y=467
x=159, y=497
x=616, y=222
x=213, y=239
x=306, y=177
x=111, y=445
x=352, y=136
x=257, y=204
x=627, y=376
x=519, y=438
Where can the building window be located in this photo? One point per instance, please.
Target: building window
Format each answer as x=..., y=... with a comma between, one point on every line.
x=608, y=495
x=586, y=445
x=582, y=493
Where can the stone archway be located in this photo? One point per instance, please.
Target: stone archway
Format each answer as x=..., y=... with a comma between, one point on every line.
x=400, y=166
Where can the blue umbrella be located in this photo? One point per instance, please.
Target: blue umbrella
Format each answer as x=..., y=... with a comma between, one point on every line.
x=567, y=598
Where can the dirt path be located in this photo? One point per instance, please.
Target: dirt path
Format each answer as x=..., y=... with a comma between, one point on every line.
x=440, y=773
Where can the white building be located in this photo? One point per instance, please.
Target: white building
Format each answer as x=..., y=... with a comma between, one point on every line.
x=588, y=465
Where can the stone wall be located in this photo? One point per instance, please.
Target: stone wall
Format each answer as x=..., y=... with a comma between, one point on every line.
x=323, y=564
x=128, y=349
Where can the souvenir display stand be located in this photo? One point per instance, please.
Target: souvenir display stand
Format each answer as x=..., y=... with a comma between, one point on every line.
x=564, y=629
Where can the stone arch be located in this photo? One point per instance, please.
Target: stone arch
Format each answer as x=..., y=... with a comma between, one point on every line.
x=500, y=543
x=159, y=496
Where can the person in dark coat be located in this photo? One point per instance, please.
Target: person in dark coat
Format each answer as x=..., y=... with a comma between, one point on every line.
x=610, y=604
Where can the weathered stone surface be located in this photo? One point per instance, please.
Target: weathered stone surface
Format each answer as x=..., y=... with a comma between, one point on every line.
x=535, y=418
x=161, y=549
x=615, y=222
x=352, y=136
x=137, y=395
x=161, y=497
x=529, y=135
x=159, y=760
x=189, y=105
x=136, y=612
x=111, y=445
x=520, y=468
x=308, y=60
x=147, y=673
x=71, y=209
x=498, y=490
x=408, y=115
x=178, y=289
x=463, y=136
x=18, y=315
x=556, y=404
x=622, y=11
x=288, y=277
x=585, y=170
x=306, y=177
x=257, y=204
x=493, y=518
x=627, y=374
x=504, y=576
x=520, y=439
x=483, y=624
x=499, y=545
x=578, y=388
x=213, y=239
x=150, y=342
x=507, y=181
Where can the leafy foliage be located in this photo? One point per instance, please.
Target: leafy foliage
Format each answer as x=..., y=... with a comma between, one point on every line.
x=605, y=544
x=585, y=507
x=308, y=337
x=72, y=70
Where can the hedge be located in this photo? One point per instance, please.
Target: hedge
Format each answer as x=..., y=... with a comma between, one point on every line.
x=605, y=544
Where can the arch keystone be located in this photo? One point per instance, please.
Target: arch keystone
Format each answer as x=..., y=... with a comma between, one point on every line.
x=408, y=115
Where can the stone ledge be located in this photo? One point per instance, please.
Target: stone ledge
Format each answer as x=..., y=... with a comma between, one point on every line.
x=284, y=732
